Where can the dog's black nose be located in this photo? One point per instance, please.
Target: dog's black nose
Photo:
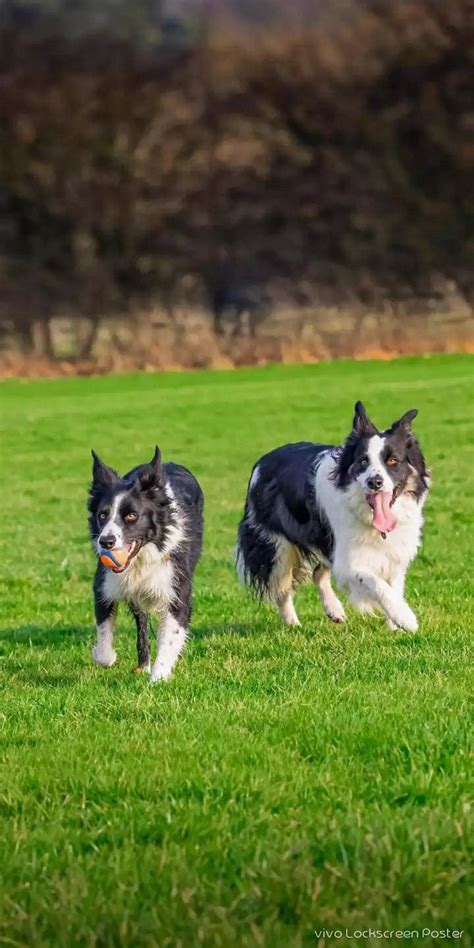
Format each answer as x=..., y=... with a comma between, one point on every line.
x=375, y=482
x=108, y=542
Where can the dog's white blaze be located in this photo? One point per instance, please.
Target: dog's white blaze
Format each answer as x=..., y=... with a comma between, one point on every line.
x=104, y=653
x=171, y=639
x=375, y=466
x=112, y=526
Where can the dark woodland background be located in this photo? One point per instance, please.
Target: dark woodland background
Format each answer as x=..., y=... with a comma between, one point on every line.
x=226, y=181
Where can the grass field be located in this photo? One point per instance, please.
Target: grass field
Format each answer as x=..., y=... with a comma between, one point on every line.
x=284, y=781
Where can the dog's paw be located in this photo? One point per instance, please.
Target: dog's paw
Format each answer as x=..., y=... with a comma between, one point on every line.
x=404, y=618
x=142, y=669
x=104, y=656
x=335, y=610
x=160, y=672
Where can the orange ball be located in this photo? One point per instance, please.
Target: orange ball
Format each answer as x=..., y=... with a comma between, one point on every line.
x=114, y=559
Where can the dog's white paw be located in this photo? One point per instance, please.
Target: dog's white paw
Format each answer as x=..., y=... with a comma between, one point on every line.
x=288, y=613
x=104, y=656
x=335, y=610
x=160, y=672
x=404, y=618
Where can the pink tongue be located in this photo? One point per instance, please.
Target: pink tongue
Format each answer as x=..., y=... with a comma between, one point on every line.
x=384, y=520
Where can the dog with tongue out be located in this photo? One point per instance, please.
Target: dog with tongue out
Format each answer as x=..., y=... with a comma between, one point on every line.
x=353, y=511
x=380, y=464
x=384, y=480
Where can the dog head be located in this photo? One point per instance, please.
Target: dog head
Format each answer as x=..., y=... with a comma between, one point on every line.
x=127, y=512
x=380, y=466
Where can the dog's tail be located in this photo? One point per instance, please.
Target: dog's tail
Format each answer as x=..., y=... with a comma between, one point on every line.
x=255, y=557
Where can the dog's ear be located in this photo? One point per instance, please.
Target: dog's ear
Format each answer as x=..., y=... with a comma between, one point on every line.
x=403, y=428
x=405, y=421
x=151, y=476
x=101, y=473
x=362, y=424
x=362, y=427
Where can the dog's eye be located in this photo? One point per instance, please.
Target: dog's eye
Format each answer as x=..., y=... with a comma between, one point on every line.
x=392, y=462
x=103, y=515
x=364, y=462
x=131, y=517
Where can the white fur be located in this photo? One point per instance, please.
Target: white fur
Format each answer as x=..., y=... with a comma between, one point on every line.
x=176, y=532
x=171, y=639
x=149, y=581
x=370, y=567
x=255, y=476
x=104, y=653
x=287, y=609
x=112, y=526
x=375, y=466
x=332, y=605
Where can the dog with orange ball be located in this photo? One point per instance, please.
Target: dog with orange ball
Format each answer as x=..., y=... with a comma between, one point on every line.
x=146, y=527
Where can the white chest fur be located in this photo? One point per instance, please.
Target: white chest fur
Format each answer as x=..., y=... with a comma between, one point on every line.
x=148, y=582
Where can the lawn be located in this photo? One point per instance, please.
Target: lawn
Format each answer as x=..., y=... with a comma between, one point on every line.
x=284, y=781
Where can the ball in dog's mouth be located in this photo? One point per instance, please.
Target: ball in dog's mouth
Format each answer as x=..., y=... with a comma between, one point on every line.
x=383, y=518
x=118, y=558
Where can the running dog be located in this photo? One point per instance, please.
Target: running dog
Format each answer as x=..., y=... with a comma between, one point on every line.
x=354, y=510
x=146, y=528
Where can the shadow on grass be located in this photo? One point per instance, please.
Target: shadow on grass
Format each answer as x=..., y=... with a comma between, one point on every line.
x=47, y=636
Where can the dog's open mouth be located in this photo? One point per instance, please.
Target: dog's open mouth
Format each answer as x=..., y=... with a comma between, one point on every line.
x=384, y=520
x=119, y=558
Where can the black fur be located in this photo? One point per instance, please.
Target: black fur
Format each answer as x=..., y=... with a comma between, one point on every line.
x=143, y=642
x=283, y=502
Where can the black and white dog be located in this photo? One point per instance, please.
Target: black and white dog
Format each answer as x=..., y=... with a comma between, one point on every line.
x=149, y=523
x=355, y=510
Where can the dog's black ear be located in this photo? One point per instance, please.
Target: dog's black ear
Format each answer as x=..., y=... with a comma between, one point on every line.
x=362, y=427
x=101, y=473
x=362, y=424
x=406, y=420
x=151, y=475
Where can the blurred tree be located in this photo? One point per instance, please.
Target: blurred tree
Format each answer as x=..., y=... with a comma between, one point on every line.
x=237, y=166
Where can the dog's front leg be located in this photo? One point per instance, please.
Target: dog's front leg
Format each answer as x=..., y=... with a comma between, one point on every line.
x=105, y=615
x=171, y=638
x=397, y=583
x=143, y=643
x=364, y=585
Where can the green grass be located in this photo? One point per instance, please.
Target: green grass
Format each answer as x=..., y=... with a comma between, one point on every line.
x=283, y=781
